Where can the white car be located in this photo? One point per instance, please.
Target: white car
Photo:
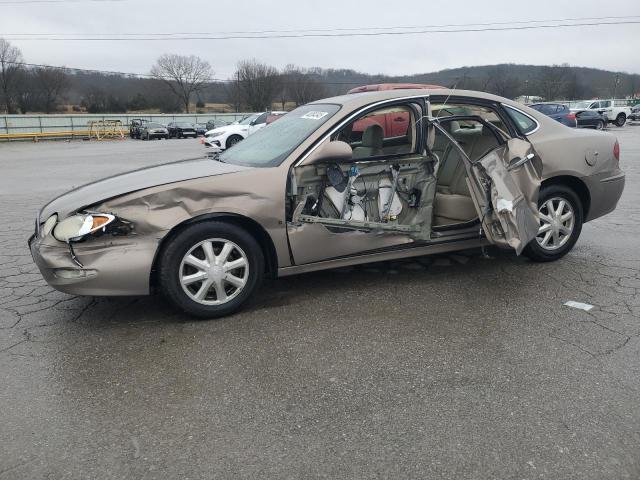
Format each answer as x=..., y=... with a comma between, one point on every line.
x=616, y=111
x=228, y=135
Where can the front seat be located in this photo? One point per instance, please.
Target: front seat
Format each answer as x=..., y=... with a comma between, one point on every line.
x=372, y=139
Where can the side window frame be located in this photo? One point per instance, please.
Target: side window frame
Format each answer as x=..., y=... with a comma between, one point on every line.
x=517, y=131
x=512, y=131
x=262, y=118
x=415, y=105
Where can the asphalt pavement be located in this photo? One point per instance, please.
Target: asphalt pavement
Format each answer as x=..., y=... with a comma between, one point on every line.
x=462, y=366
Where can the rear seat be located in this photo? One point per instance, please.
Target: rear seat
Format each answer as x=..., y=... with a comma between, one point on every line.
x=453, y=202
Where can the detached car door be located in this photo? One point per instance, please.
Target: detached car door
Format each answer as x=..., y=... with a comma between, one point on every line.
x=504, y=184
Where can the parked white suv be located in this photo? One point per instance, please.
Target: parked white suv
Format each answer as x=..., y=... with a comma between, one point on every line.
x=616, y=111
x=228, y=135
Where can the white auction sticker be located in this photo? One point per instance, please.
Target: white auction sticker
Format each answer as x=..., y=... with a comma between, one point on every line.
x=315, y=115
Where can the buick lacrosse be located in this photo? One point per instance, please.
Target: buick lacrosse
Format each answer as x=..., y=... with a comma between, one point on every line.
x=360, y=178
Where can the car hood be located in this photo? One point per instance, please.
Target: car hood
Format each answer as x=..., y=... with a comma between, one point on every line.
x=135, y=180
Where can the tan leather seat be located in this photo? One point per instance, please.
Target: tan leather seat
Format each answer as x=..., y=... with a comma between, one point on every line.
x=372, y=140
x=453, y=202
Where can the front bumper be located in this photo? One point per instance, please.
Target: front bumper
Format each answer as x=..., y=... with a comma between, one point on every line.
x=113, y=266
x=212, y=142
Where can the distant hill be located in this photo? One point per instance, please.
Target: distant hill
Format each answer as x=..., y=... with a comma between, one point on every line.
x=558, y=82
x=98, y=92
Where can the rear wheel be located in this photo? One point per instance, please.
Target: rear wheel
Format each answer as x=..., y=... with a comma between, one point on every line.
x=211, y=269
x=232, y=140
x=621, y=119
x=561, y=217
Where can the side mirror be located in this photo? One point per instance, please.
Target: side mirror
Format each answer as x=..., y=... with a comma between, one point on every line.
x=335, y=151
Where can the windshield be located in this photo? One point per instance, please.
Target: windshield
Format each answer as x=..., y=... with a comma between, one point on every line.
x=582, y=104
x=184, y=125
x=154, y=125
x=248, y=119
x=271, y=145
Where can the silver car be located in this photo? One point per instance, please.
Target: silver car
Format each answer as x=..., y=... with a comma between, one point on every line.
x=348, y=180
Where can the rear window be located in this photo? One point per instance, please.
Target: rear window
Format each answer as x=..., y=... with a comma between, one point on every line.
x=524, y=122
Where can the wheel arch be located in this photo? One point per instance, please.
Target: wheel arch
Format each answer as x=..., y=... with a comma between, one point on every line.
x=251, y=226
x=575, y=184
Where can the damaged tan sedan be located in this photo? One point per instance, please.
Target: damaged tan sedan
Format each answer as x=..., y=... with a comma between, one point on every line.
x=348, y=180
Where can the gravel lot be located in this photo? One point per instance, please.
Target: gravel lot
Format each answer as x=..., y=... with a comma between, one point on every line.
x=459, y=367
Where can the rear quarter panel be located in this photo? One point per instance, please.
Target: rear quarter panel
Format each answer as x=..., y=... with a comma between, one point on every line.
x=583, y=154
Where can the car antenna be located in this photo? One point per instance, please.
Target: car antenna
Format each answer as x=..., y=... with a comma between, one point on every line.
x=451, y=92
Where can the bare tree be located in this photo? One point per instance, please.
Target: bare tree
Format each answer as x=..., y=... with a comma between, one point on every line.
x=502, y=83
x=255, y=85
x=51, y=84
x=300, y=85
x=26, y=96
x=184, y=75
x=10, y=59
x=554, y=81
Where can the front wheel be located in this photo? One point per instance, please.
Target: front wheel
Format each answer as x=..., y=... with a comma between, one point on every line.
x=600, y=125
x=232, y=140
x=561, y=217
x=211, y=269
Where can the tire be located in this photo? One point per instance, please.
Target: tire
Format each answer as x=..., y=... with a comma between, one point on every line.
x=556, y=247
x=166, y=137
x=621, y=119
x=195, y=298
x=232, y=140
x=147, y=138
x=600, y=125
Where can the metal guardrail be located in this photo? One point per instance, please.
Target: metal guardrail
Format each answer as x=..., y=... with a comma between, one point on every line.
x=21, y=127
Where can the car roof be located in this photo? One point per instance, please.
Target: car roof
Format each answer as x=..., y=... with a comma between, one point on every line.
x=393, y=86
x=357, y=100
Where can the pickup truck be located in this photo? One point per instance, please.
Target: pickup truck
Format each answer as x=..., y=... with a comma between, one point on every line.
x=616, y=110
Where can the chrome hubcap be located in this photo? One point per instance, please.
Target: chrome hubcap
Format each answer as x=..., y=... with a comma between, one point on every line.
x=214, y=271
x=557, y=220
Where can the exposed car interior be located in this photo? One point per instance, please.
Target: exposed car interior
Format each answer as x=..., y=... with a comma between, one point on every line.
x=390, y=186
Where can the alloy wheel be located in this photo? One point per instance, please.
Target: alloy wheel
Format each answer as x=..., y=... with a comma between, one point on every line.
x=557, y=221
x=214, y=271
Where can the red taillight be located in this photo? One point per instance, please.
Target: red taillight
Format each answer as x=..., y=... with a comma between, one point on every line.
x=571, y=116
x=616, y=151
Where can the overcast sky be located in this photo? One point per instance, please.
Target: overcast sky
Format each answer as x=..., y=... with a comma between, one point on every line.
x=615, y=47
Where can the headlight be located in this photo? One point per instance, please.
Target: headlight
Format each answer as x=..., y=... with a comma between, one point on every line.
x=76, y=227
x=49, y=224
x=216, y=134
